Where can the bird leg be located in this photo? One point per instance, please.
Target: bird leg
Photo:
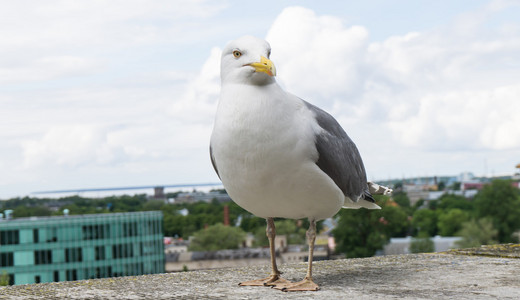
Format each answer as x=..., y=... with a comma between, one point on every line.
x=273, y=279
x=307, y=284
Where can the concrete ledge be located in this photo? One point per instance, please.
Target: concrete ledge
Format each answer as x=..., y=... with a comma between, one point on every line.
x=501, y=250
x=421, y=276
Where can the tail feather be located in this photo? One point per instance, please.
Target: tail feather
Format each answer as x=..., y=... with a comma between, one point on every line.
x=367, y=200
x=377, y=189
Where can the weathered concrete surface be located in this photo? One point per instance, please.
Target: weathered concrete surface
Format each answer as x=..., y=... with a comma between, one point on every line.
x=422, y=276
x=501, y=250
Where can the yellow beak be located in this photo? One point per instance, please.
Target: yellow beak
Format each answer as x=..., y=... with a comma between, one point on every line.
x=265, y=65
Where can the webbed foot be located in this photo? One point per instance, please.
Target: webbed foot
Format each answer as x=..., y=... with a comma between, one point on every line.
x=305, y=285
x=272, y=280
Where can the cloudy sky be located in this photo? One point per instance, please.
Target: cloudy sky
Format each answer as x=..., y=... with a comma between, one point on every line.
x=123, y=93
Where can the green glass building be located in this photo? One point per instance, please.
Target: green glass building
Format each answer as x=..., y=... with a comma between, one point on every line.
x=47, y=249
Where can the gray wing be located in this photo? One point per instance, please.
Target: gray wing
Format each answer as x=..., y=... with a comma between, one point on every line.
x=339, y=157
x=213, y=160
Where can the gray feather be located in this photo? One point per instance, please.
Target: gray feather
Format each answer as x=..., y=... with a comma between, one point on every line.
x=339, y=157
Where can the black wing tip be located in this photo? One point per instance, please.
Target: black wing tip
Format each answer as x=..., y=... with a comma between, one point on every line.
x=368, y=197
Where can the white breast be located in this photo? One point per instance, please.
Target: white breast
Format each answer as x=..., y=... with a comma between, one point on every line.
x=264, y=151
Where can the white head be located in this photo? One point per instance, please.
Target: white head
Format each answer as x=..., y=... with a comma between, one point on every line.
x=246, y=60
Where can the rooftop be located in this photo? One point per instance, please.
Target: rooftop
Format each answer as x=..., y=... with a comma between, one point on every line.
x=483, y=273
x=66, y=218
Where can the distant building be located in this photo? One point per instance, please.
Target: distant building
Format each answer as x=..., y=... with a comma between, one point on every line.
x=402, y=245
x=47, y=249
x=472, y=185
x=178, y=257
x=172, y=245
x=416, y=192
x=158, y=193
x=200, y=260
x=468, y=194
x=193, y=197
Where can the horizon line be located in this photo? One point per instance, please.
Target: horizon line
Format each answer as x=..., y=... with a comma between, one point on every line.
x=80, y=190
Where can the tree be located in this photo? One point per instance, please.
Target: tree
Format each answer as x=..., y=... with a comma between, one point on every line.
x=4, y=279
x=477, y=232
x=402, y=199
x=398, y=186
x=153, y=205
x=360, y=233
x=23, y=211
x=419, y=204
x=450, y=222
x=217, y=237
x=441, y=186
x=127, y=203
x=449, y=201
x=175, y=225
x=425, y=220
x=295, y=235
x=422, y=244
x=500, y=202
x=456, y=186
x=251, y=223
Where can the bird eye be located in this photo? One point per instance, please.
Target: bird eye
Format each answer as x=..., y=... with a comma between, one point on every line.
x=237, y=54
x=268, y=53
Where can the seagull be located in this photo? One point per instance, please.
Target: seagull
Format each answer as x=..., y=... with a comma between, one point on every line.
x=279, y=156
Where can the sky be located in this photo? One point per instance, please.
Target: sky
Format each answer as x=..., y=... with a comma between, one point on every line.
x=123, y=93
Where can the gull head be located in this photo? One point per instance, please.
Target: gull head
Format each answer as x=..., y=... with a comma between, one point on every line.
x=246, y=61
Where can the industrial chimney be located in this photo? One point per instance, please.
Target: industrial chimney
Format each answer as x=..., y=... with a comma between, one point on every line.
x=226, y=215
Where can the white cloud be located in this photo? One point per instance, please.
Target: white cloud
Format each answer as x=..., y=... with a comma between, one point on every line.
x=464, y=120
x=57, y=22
x=50, y=67
x=316, y=55
x=445, y=89
x=95, y=88
x=39, y=37
x=199, y=101
x=71, y=146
